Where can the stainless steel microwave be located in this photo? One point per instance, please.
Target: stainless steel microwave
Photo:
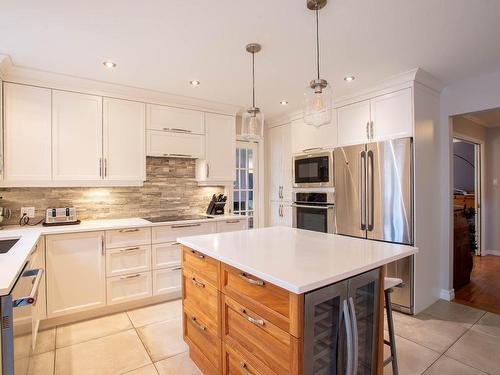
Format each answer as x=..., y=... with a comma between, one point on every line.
x=314, y=169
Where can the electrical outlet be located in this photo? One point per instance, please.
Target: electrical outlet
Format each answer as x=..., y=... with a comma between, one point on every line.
x=29, y=211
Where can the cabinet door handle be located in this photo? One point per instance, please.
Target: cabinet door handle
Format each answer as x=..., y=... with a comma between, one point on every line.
x=208, y=170
x=197, y=283
x=199, y=326
x=257, y=322
x=197, y=254
x=176, y=130
x=135, y=248
x=100, y=167
x=355, y=345
x=105, y=167
x=174, y=244
x=130, y=276
x=176, y=268
x=249, y=280
x=312, y=149
x=244, y=367
x=179, y=155
x=368, y=130
x=348, y=329
x=128, y=230
x=102, y=245
x=185, y=225
x=371, y=129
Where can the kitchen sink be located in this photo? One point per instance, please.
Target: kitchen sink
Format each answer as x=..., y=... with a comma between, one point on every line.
x=6, y=245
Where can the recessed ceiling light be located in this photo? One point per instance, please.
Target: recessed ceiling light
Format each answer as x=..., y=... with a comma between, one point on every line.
x=194, y=82
x=283, y=102
x=349, y=78
x=109, y=64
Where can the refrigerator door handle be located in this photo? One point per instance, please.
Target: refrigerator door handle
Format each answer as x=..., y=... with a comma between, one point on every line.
x=371, y=188
x=361, y=190
x=348, y=329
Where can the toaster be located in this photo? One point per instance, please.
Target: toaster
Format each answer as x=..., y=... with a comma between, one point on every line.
x=64, y=215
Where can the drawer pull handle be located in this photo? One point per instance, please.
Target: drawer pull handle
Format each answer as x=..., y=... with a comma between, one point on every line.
x=197, y=254
x=198, y=325
x=197, y=283
x=129, y=230
x=175, y=244
x=130, y=276
x=232, y=221
x=244, y=367
x=251, y=281
x=186, y=225
x=176, y=268
x=135, y=248
x=258, y=322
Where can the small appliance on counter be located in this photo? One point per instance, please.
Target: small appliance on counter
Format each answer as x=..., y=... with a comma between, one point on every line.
x=61, y=216
x=216, y=205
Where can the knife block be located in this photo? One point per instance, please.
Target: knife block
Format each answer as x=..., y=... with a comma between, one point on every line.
x=216, y=208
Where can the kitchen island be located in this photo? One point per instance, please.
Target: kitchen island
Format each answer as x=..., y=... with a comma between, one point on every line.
x=285, y=301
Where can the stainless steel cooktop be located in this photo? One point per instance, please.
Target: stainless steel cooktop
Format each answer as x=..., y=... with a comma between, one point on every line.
x=161, y=219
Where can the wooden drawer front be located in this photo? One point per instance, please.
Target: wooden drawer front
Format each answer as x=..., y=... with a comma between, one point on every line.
x=204, y=266
x=128, y=237
x=270, y=301
x=235, y=363
x=170, y=233
x=167, y=280
x=129, y=287
x=249, y=332
x=200, y=295
x=166, y=255
x=128, y=260
x=203, y=333
x=231, y=225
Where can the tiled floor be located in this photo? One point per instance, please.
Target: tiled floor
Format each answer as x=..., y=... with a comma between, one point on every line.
x=447, y=338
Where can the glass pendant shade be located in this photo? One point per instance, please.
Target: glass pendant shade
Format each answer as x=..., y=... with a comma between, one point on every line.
x=318, y=106
x=252, y=125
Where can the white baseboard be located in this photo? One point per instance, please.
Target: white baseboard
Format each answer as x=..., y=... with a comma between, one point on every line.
x=447, y=295
x=492, y=252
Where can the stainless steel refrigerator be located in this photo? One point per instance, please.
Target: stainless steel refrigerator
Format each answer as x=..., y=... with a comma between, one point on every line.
x=374, y=200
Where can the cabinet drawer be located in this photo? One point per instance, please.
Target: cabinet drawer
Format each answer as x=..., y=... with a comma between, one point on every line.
x=128, y=237
x=128, y=287
x=235, y=363
x=165, y=118
x=255, y=336
x=200, y=295
x=231, y=225
x=267, y=299
x=167, y=280
x=202, y=333
x=204, y=266
x=128, y=260
x=170, y=233
x=166, y=255
x=175, y=144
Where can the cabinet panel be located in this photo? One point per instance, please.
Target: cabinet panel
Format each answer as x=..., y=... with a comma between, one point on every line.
x=76, y=136
x=170, y=233
x=392, y=115
x=199, y=295
x=280, y=167
x=280, y=214
x=162, y=118
x=27, y=129
x=231, y=225
x=167, y=280
x=170, y=144
x=128, y=260
x=128, y=237
x=307, y=138
x=76, y=274
x=124, y=140
x=204, y=266
x=352, y=122
x=130, y=287
x=166, y=255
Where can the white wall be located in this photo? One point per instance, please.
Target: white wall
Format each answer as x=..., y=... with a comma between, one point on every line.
x=492, y=182
x=470, y=95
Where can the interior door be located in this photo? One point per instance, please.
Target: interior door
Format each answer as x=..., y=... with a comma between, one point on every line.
x=350, y=190
x=389, y=191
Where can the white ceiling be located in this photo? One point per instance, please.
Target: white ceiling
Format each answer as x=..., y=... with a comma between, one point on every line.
x=490, y=118
x=163, y=44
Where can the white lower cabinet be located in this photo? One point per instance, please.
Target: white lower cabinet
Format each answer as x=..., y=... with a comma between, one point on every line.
x=128, y=237
x=167, y=280
x=76, y=273
x=129, y=287
x=280, y=214
x=131, y=259
x=170, y=233
x=231, y=225
x=166, y=255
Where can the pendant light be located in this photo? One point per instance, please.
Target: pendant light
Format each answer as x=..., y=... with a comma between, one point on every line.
x=252, y=119
x=318, y=95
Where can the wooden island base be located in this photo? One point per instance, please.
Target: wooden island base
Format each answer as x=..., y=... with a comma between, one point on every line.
x=236, y=323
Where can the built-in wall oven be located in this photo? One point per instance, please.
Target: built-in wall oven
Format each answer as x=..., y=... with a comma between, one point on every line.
x=313, y=169
x=314, y=211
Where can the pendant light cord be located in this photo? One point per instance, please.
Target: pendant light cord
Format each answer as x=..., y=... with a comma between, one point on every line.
x=253, y=79
x=317, y=39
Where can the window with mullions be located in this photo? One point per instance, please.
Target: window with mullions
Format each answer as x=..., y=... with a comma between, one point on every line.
x=245, y=183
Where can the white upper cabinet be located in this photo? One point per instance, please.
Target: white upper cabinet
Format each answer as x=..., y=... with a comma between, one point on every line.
x=280, y=157
x=76, y=136
x=220, y=149
x=353, y=123
x=124, y=140
x=27, y=129
x=165, y=118
x=306, y=138
x=392, y=115
x=177, y=145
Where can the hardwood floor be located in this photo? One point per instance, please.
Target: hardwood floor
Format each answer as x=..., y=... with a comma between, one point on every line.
x=483, y=292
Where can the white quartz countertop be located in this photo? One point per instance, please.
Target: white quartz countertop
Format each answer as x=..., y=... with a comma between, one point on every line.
x=294, y=259
x=11, y=263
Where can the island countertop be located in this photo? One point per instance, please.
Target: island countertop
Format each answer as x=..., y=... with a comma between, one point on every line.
x=295, y=259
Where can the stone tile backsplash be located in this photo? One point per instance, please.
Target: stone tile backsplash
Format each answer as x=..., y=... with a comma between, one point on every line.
x=170, y=189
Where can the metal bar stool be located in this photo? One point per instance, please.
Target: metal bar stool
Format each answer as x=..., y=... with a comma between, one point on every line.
x=389, y=284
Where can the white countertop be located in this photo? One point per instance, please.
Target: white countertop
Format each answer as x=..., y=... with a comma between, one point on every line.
x=12, y=262
x=294, y=259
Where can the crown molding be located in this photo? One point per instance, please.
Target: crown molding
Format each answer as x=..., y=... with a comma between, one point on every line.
x=5, y=65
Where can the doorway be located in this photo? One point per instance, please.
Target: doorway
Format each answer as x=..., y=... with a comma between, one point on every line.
x=245, y=188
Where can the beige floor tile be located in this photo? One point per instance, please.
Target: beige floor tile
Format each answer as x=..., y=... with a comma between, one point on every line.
x=448, y=366
x=479, y=350
x=180, y=364
x=489, y=323
x=454, y=312
x=429, y=331
x=156, y=313
x=90, y=329
x=42, y=364
x=146, y=370
x=413, y=359
x=163, y=340
x=114, y=354
x=45, y=341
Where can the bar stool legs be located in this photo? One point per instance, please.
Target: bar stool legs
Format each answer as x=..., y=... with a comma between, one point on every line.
x=392, y=341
